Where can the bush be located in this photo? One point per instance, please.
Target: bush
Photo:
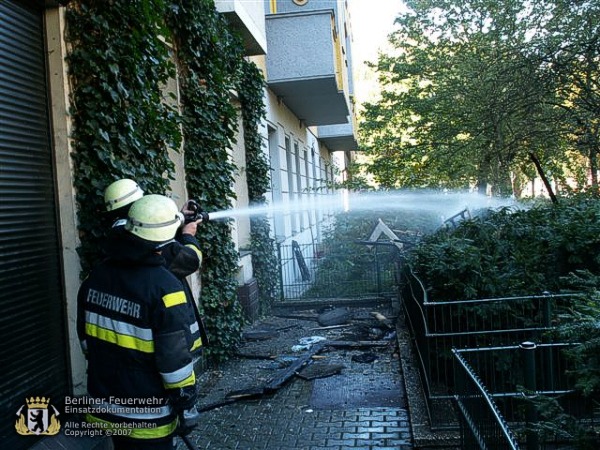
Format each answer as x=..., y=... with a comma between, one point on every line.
x=510, y=252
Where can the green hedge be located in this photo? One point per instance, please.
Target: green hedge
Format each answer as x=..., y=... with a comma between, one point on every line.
x=511, y=252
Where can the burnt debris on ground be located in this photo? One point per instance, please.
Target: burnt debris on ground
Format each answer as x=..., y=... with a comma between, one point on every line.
x=343, y=343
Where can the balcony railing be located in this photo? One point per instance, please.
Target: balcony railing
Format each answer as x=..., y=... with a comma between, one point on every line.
x=248, y=18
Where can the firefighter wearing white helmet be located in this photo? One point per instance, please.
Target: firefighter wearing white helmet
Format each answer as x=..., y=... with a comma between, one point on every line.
x=154, y=218
x=182, y=256
x=135, y=320
x=121, y=193
x=118, y=198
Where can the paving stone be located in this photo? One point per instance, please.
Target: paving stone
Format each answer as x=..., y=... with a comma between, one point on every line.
x=286, y=419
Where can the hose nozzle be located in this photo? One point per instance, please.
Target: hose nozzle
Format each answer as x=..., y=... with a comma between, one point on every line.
x=194, y=212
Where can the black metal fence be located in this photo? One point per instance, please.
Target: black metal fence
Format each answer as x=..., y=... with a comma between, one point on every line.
x=482, y=424
x=438, y=327
x=342, y=270
x=499, y=392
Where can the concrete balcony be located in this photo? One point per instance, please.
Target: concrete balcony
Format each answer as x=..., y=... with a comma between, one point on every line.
x=248, y=18
x=338, y=137
x=305, y=66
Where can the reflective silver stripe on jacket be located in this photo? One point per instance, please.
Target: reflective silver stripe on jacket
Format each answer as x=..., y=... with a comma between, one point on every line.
x=117, y=326
x=194, y=328
x=178, y=375
x=119, y=223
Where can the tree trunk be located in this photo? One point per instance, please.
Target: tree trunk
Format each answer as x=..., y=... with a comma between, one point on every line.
x=542, y=175
x=594, y=168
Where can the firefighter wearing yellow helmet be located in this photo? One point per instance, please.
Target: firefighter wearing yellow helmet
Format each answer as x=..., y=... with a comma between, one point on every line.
x=118, y=198
x=154, y=218
x=182, y=255
x=135, y=321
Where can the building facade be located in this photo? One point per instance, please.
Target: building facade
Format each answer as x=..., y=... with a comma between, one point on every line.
x=304, y=50
x=310, y=129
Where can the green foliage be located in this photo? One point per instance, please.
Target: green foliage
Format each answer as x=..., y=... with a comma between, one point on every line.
x=509, y=253
x=121, y=58
x=251, y=86
x=264, y=260
x=472, y=90
x=580, y=325
x=121, y=126
x=356, y=179
x=556, y=425
x=209, y=58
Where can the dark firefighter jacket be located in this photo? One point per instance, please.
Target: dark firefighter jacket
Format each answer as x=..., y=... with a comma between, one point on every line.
x=134, y=322
x=183, y=257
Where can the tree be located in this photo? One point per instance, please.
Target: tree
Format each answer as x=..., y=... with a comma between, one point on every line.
x=570, y=51
x=467, y=100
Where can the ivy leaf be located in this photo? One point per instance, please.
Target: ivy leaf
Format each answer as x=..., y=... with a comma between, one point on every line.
x=104, y=135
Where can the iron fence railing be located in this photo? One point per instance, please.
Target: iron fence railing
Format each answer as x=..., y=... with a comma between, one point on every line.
x=437, y=327
x=481, y=423
x=338, y=270
x=503, y=388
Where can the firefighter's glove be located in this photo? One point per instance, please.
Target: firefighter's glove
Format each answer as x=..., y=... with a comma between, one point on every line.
x=188, y=419
x=183, y=398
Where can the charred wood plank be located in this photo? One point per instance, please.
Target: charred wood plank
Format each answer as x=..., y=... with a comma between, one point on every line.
x=255, y=355
x=337, y=316
x=216, y=405
x=285, y=374
x=320, y=370
x=251, y=392
x=297, y=316
x=357, y=344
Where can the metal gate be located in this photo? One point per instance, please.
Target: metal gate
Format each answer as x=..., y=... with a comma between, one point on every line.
x=32, y=328
x=342, y=270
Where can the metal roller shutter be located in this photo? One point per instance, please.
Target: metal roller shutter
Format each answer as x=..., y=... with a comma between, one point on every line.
x=32, y=327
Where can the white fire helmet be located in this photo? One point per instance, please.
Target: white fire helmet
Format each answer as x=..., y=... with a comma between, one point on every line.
x=121, y=193
x=154, y=218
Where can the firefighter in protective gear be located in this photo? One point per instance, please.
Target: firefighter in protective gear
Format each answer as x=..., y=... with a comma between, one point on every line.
x=134, y=321
x=118, y=198
x=182, y=255
x=154, y=218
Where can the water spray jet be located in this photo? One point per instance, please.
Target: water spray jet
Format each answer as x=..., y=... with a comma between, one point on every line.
x=443, y=203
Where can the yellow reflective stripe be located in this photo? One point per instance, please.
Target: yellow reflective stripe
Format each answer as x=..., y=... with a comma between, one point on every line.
x=197, y=344
x=174, y=299
x=189, y=381
x=137, y=433
x=119, y=326
x=273, y=6
x=196, y=249
x=121, y=340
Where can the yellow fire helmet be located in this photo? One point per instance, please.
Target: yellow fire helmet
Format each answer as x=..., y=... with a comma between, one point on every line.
x=121, y=193
x=154, y=218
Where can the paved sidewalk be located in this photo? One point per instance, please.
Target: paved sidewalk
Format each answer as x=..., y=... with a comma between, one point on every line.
x=362, y=407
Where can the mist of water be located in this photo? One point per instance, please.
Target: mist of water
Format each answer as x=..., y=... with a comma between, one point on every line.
x=444, y=204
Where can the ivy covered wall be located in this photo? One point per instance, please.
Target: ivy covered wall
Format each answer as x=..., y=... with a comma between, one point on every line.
x=121, y=126
x=122, y=53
